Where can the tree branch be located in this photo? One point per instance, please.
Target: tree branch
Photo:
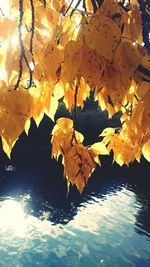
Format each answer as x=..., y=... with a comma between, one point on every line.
x=143, y=70
x=21, y=44
x=75, y=115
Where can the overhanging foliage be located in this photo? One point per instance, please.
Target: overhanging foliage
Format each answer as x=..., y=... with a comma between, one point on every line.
x=66, y=50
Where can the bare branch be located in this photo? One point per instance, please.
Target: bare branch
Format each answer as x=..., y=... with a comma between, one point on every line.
x=21, y=44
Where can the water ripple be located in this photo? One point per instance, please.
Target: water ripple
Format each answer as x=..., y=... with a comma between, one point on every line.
x=101, y=231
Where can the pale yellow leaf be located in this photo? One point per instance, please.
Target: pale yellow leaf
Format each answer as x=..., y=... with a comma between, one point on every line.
x=27, y=126
x=107, y=131
x=146, y=150
x=53, y=108
x=7, y=148
x=100, y=149
x=38, y=119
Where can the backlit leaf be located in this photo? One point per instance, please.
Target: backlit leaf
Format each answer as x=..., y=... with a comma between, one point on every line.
x=146, y=150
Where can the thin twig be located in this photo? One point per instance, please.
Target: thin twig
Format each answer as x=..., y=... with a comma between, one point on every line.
x=74, y=115
x=65, y=13
x=76, y=6
x=99, y=2
x=2, y=12
x=22, y=50
x=94, y=5
x=31, y=44
x=21, y=44
x=84, y=6
x=143, y=70
x=30, y=72
x=32, y=26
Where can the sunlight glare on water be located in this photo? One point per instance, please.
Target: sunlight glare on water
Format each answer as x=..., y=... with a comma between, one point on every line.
x=91, y=217
x=12, y=216
x=101, y=232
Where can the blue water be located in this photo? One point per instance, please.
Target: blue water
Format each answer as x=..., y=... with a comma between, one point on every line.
x=108, y=226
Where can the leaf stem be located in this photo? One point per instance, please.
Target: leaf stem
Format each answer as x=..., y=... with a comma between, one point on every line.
x=75, y=115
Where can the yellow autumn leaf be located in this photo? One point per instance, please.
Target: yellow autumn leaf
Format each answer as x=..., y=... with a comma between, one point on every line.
x=27, y=126
x=38, y=119
x=60, y=5
x=102, y=35
x=7, y=149
x=100, y=148
x=119, y=160
x=107, y=131
x=53, y=108
x=146, y=150
x=127, y=58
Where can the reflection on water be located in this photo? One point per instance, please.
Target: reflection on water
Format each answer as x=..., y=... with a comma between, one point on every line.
x=103, y=231
x=12, y=217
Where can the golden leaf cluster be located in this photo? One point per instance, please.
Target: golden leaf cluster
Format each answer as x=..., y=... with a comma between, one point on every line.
x=79, y=161
x=66, y=55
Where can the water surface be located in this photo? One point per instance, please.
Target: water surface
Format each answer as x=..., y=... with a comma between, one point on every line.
x=108, y=226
